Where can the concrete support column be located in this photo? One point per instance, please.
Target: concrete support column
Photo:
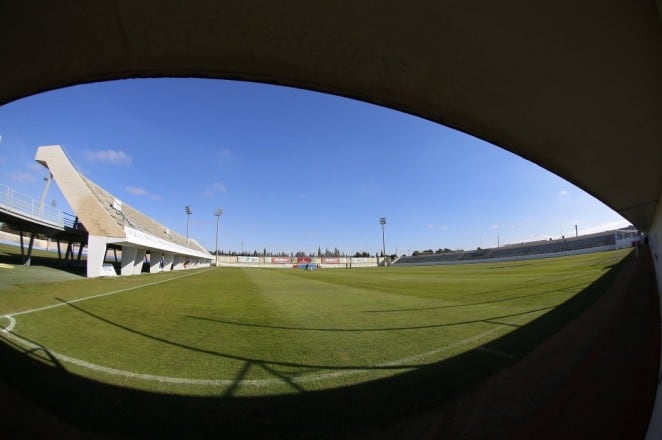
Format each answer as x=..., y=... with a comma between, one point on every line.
x=167, y=262
x=155, y=261
x=655, y=243
x=138, y=261
x=128, y=260
x=178, y=263
x=96, y=253
x=28, y=260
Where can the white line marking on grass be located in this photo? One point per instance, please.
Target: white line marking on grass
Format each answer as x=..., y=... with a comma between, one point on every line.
x=247, y=382
x=12, y=323
x=427, y=354
x=222, y=382
x=52, y=306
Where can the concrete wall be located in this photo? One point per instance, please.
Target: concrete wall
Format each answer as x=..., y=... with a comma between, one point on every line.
x=343, y=262
x=50, y=245
x=655, y=243
x=517, y=258
x=87, y=208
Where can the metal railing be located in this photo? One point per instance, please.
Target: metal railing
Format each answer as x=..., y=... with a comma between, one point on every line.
x=19, y=203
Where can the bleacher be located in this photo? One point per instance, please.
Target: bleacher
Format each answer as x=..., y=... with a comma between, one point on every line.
x=110, y=223
x=129, y=216
x=598, y=241
x=431, y=258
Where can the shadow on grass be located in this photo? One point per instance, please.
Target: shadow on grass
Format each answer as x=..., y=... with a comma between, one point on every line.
x=12, y=255
x=118, y=411
x=524, y=285
x=455, y=306
x=255, y=361
x=375, y=329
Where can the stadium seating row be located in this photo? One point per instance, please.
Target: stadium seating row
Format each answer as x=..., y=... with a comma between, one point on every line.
x=599, y=241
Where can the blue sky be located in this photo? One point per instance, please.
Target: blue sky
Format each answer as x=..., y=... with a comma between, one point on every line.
x=292, y=169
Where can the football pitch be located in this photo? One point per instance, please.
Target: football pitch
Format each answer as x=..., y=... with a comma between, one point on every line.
x=242, y=333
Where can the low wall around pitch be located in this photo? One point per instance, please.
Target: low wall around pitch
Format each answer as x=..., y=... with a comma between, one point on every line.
x=610, y=247
x=291, y=262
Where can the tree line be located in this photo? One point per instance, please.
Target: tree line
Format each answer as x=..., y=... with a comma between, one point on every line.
x=335, y=252
x=437, y=252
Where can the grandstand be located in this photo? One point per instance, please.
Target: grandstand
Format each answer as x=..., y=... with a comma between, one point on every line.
x=609, y=240
x=112, y=224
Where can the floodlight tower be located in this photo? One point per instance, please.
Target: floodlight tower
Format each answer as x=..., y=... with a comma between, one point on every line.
x=218, y=213
x=187, y=210
x=382, y=221
x=44, y=192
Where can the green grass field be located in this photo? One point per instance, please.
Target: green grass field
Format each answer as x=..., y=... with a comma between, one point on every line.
x=276, y=353
x=257, y=332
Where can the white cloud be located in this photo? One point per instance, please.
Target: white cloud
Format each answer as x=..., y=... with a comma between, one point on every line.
x=215, y=188
x=113, y=157
x=563, y=192
x=225, y=153
x=22, y=177
x=494, y=226
x=218, y=187
x=137, y=191
x=141, y=192
x=430, y=226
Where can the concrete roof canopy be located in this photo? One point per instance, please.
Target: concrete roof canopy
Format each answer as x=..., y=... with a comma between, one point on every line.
x=572, y=86
x=102, y=214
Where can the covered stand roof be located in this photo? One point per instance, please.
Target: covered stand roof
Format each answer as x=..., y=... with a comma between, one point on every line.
x=573, y=86
x=103, y=214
